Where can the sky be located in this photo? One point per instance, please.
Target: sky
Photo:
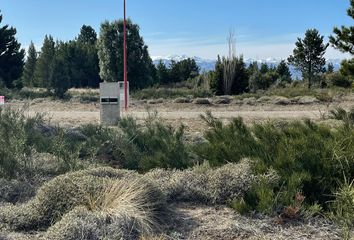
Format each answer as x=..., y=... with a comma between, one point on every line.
x=263, y=28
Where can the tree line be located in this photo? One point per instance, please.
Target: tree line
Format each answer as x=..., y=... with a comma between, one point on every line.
x=231, y=76
x=85, y=61
x=91, y=58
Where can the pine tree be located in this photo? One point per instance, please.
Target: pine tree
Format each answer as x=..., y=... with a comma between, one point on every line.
x=11, y=56
x=87, y=35
x=284, y=72
x=216, y=84
x=45, y=61
x=163, y=75
x=83, y=59
x=28, y=76
x=330, y=68
x=264, y=68
x=59, y=78
x=308, y=55
x=344, y=37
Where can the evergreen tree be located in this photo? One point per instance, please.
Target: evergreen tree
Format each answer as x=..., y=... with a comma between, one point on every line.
x=239, y=81
x=308, y=56
x=264, y=68
x=141, y=70
x=330, y=68
x=163, y=76
x=347, y=68
x=83, y=59
x=45, y=61
x=216, y=83
x=28, y=76
x=284, y=72
x=252, y=68
x=59, y=78
x=87, y=35
x=183, y=70
x=344, y=37
x=11, y=55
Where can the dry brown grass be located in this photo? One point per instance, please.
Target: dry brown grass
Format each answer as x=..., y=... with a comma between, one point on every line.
x=133, y=199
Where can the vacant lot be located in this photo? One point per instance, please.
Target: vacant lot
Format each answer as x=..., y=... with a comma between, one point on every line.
x=73, y=113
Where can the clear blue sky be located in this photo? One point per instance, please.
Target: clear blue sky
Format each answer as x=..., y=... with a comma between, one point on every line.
x=264, y=28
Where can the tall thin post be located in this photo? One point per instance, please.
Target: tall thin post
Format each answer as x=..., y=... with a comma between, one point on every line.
x=125, y=59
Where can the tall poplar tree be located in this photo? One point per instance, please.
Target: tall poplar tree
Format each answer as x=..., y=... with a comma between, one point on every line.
x=110, y=52
x=45, y=61
x=28, y=77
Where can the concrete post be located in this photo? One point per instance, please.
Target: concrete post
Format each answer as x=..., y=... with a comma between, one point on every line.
x=110, y=103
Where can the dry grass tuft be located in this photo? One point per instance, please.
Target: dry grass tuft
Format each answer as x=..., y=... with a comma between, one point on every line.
x=133, y=199
x=204, y=184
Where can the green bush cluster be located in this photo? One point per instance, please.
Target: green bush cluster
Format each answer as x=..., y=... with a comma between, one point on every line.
x=310, y=159
x=158, y=145
x=17, y=141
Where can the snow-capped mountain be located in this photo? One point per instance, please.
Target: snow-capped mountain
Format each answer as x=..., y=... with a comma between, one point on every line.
x=204, y=64
x=209, y=64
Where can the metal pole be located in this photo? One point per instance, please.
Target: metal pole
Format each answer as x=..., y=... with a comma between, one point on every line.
x=125, y=59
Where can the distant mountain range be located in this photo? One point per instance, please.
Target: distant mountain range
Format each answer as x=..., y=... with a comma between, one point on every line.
x=209, y=64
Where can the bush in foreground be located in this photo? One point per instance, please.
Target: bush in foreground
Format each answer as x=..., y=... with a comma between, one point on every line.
x=204, y=184
x=310, y=159
x=57, y=197
x=159, y=145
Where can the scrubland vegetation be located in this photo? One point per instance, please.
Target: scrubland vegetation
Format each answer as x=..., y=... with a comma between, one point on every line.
x=123, y=182
x=61, y=183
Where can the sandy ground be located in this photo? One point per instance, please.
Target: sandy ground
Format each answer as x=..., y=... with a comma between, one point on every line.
x=208, y=223
x=73, y=113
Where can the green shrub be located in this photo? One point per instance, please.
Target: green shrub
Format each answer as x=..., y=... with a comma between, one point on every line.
x=226, y=143
x=17, y=142
x=309, y=158
x=158, y=144
x=343, y=204
x=343, y=115
x=338, y=80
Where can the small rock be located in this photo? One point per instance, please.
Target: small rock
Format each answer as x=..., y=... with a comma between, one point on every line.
x=202, y=101
x=250, y=101
x=222, y=100
x=264, y=99
x=281, y=100
x=307, y=100
x=155, y=101
x=182, y=100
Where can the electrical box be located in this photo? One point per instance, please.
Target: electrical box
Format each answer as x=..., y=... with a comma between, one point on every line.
x=110, y=103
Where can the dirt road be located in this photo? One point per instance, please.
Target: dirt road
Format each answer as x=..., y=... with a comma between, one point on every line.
x=75, y=113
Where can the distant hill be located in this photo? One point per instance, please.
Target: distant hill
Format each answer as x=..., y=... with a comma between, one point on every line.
x=209, y=64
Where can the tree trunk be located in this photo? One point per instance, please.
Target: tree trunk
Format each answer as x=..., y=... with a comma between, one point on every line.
x=310, y=76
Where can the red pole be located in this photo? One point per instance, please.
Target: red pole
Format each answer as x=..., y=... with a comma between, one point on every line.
x=125, y=60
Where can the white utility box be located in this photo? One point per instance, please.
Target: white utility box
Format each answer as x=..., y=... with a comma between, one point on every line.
x=110, y=103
